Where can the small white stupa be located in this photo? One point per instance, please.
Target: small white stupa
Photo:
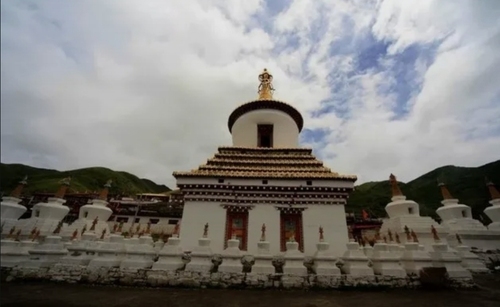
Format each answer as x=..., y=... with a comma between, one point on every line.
x=263, y=258
x=47, y=216
x=403, y=212
x=11, y=210
x=493, y=212
x=457, y=219
x=94, y=212
x=201, y=256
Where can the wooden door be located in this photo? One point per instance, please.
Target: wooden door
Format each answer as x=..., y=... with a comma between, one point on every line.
x=291, y=225
x=237, y=224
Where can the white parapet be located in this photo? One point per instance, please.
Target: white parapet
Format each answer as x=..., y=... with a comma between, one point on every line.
x=80, y=252
x=386, y=262
x=47, y=253
x=442, y=256
x=470, y=261
x=294, y=260
x=201, y=257
x=414, y=259
x=368, y=250
x=263, y=259
x=355, y=262
x=109, y=253
x=170, y=256
x=231, y=258
x=8, y=253
x=140, y=253
x=324, y=261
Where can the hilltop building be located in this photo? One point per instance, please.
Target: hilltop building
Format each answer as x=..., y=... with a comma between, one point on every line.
x=265, y=178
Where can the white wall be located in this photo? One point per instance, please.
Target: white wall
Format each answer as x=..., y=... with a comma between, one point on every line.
x=333, y=221
x=285, y=130
x=264, y=214
x=194, y=218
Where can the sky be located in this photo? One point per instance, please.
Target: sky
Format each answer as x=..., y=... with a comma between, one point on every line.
x=384, y=86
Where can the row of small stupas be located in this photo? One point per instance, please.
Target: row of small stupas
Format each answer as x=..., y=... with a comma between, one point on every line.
x=91, y=250
x=266, y=178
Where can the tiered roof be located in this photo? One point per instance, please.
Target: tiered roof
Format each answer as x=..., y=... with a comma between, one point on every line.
x=264, y=163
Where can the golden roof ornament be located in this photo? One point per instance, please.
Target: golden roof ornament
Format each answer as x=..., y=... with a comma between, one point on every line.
x=104, y=192
x=265, y=87
x=63, y=188
x=263, y=233
x=396, y=191
x=19, y=189
x=493, y=190
x=444, y=191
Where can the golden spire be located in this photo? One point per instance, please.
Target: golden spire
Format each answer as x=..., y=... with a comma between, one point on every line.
x=396, y=191
x=64, y=186
x=493, y=190
x=444, y=191
x=104, y=192
x=19, y=189
x=265, y=87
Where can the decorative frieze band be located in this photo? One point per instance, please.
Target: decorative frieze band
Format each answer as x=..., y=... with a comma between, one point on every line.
x=263, y=188
x=267, y=201
x=290, y=209
x=237, y=208
x=268, y=195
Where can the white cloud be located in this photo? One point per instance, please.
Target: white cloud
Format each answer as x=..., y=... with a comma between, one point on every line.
x=147, y=87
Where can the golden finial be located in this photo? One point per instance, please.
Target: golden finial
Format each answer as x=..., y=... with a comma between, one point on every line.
x=205, y=231
x=104, y=192
x=435, y=235
x=19, y=189
x=94, y=222
x=263, y=232
x=11, y=232
x=58, y=228
x=396, y=191
x=414, y=236
x=63, y=188
x=74, y=235
x=444, y=191
x=407, y=232
x=321, y=236
x=265, y=87
x=493, y=191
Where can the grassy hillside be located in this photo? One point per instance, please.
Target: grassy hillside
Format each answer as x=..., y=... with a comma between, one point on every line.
x=465, y=183
x=85, y=179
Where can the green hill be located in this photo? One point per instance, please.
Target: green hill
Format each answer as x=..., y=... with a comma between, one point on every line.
x=465, y=183
x=85, y=179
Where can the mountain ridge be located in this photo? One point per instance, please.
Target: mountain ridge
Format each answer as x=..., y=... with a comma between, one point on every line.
x=82, y=180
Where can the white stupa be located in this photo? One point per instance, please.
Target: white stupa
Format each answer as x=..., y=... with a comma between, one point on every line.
x=45, y=217
x=94, y=214
x=403, y=212
x=265, y=177
x=11, y=210
x=493, y=212
x=457, y=219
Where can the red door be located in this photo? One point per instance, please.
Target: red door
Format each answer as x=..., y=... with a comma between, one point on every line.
x=291, y=225
x=236, y=224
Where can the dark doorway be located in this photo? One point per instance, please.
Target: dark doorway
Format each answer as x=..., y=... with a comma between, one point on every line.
x=265, y=135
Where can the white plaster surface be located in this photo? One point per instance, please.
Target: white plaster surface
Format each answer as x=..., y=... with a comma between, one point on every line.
x=285, y=130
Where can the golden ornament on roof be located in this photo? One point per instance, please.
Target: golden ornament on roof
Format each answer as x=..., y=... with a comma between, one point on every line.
x=265, y=87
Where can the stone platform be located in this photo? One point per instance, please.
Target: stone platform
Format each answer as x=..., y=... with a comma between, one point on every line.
x=185, y=279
